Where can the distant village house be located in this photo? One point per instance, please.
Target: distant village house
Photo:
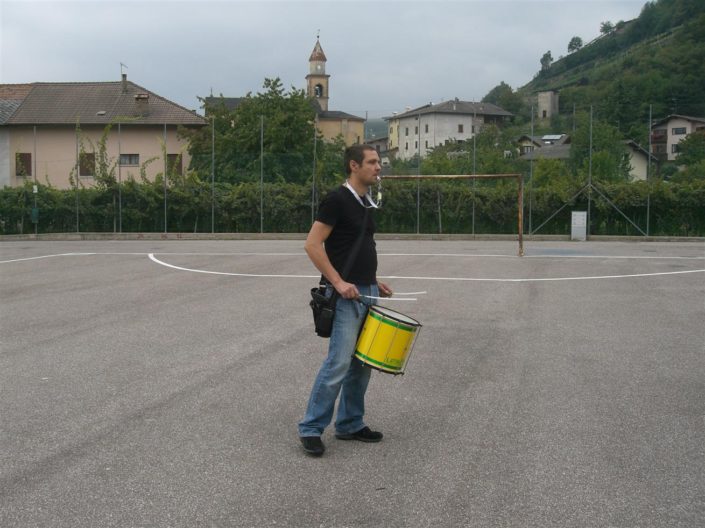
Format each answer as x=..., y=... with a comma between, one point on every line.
x=416, y=132
x=49, y=132
x=668, y=132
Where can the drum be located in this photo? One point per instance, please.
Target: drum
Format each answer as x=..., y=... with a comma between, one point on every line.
x=386, y=340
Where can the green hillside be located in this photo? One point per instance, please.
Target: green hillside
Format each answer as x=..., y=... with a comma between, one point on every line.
x=656, y=60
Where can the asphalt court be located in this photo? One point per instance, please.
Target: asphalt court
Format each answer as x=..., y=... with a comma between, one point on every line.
x=159, y=383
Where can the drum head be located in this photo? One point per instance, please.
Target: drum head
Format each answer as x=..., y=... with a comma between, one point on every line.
x=396, y=316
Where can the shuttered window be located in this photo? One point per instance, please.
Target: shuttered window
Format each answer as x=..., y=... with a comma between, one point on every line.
x=86, y=164
x=23, y=164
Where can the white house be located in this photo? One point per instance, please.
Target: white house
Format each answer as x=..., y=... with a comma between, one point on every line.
x=416, y=132
x=669, y=131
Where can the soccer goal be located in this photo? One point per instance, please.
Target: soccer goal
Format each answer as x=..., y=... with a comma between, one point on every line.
x=440, y=177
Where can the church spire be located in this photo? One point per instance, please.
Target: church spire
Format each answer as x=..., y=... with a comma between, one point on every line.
x=317, y=53
x=317, y=80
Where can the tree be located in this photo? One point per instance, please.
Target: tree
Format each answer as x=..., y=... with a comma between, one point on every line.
x=575, y=44
x=503, y=96
x=546, y=61
x=606, y=27
x=286, y=120
x=691, y=150
x=610, y=161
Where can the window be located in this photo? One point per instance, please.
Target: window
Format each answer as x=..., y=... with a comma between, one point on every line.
x=426, y=128
x=23, y=164
x=416, y=130
x=406, y=131
x=460, y=129
x=675, y=148
x=678, y=131
x=129, y=159
x=406, y=146
x=473, y=129
x=391, y=130
x=174, y=163
x=416, y=144
x=427, y=143
x=86, y=164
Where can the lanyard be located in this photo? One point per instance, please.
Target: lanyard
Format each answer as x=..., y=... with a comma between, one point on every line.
x=357, y=197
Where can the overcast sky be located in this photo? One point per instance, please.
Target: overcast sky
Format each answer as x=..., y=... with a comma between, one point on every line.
x=382, y=56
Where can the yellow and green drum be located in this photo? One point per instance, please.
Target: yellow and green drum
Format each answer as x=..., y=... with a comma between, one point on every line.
x=386, y=340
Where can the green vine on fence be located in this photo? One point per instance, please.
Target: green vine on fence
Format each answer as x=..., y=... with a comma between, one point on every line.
x=673, y=209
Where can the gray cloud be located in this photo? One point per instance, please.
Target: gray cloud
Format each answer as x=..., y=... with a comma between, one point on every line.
x=382, y=56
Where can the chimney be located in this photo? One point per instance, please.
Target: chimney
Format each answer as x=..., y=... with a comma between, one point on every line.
x=142, y=104
x=124, y=83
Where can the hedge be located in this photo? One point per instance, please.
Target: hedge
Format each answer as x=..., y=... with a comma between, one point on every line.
x=674, y=209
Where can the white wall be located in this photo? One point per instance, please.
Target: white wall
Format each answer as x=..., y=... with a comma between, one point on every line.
x=676, y=122
x=441, y=129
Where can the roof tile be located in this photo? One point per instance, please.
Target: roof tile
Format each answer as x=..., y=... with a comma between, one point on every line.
x=97, y=103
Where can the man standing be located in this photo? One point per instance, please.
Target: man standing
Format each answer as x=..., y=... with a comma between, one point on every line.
x=345, y=215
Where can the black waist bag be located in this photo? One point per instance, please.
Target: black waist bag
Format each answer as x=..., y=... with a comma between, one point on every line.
x=323, y=310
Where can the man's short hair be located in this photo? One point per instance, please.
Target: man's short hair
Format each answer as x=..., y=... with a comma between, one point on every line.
x=355, y=153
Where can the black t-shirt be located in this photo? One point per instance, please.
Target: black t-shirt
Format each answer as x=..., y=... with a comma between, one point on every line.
x=341, y=210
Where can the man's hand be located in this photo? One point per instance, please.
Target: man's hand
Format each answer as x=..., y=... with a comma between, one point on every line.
x=347, y=290
x=384, y=290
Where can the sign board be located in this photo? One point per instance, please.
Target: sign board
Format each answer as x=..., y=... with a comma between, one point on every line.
x=578, y=225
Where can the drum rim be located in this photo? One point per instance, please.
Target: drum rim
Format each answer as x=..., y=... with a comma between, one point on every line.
x=379, y=309
x=373, y=363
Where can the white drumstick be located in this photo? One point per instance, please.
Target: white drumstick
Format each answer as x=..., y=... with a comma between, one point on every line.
x=387, y=298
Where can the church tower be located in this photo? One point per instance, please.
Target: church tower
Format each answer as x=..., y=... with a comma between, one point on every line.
x=317, y=80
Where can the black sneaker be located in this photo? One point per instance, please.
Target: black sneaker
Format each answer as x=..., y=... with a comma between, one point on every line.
x=363, y=435
x=313, y=445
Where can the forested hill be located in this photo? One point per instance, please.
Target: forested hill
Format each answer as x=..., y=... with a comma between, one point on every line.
x=657, y=59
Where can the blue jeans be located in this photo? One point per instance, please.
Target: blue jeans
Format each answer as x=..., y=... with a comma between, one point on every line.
x=341, y=373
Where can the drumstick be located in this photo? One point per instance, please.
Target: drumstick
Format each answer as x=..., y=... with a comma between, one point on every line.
x=387, y=298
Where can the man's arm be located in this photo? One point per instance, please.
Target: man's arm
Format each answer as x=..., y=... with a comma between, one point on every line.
x=318, y=234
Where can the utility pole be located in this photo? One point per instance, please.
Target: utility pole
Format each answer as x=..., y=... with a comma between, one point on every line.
x=261, y=173
x=648, y=173
x=589, y=178
x=212, y=172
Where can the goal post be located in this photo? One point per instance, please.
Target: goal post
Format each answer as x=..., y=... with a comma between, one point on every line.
x=520, y=191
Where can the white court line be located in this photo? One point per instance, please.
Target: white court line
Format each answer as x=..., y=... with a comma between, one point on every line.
x=457, y=279
x=155, y=259
x=442, y=255
x=45, y=256
x=547, y=279
x=380, y=254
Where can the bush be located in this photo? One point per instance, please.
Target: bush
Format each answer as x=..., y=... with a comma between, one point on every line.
x=674, y=208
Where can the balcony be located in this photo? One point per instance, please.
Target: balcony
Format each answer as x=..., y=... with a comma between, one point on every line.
x=659, y=136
